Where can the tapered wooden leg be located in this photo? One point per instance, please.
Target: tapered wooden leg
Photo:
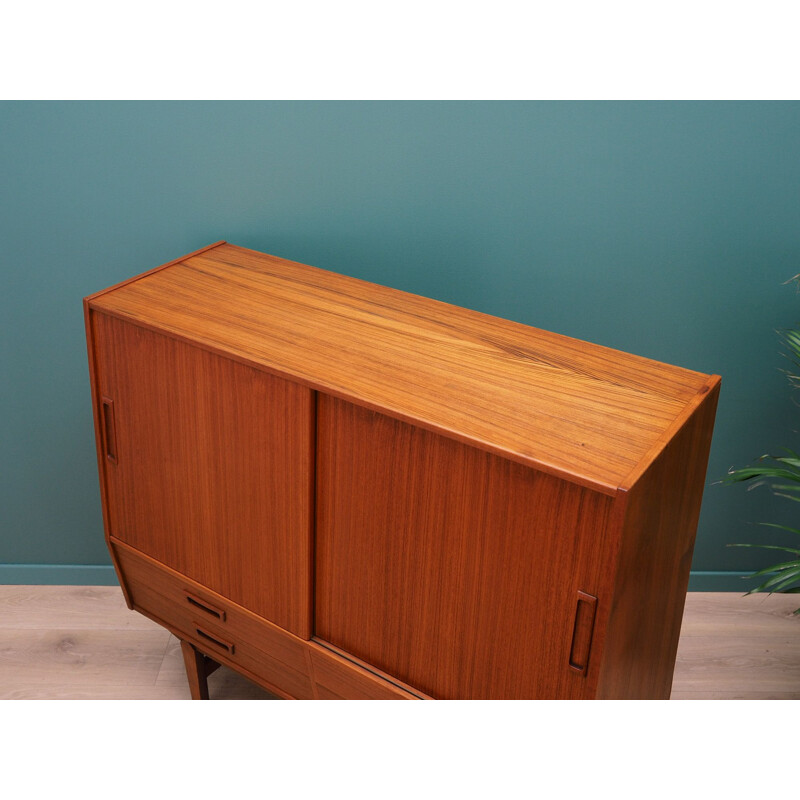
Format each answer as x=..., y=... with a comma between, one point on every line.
x=198, y=668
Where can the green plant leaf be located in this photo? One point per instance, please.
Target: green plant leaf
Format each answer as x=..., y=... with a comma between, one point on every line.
x=781, y=473
x=792, y=339
x=788, y=460
x=782, y=587
x=780, y=527
x=764, y=546
x=748, y=473
x=790, y=334
x=773, y=589
x=787, y=576
x=795, y=564
x=787, y=496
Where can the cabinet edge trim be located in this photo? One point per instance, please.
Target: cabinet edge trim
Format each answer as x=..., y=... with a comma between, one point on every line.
x=174, y=261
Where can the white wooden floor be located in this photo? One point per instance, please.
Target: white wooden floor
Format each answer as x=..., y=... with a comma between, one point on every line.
x=81, y=642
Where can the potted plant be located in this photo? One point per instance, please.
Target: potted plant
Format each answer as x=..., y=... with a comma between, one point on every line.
x=782, y=474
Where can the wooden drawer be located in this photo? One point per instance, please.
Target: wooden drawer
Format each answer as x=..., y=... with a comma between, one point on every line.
x=216, y=626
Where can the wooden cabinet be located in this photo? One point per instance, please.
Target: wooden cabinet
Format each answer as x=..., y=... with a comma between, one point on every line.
x=343, y=490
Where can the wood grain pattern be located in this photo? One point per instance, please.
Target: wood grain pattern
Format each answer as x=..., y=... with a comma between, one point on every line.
x=155, y=584
x=449, y=568
x=569, y=408
x=152, y=271
x=99, y=436
x=93, y=378
x=285, y=664
x=339, y=678
x=256, y=665
x=242, y=640
x=213, y=474
x=197, y=671
x=659, y=522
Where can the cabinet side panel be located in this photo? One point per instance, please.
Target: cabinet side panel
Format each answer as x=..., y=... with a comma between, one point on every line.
x=659, y=521
x=449, y=568
x=212, y=468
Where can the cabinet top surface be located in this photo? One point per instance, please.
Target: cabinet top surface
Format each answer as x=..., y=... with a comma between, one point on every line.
x=577, y=410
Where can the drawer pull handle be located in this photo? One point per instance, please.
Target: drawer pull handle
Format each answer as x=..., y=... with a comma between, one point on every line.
x=582, y=632
x=109, y=430
x=226, y=646
x=217, y=613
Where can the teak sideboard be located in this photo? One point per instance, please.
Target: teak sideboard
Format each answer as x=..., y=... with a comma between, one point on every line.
x=342, y=490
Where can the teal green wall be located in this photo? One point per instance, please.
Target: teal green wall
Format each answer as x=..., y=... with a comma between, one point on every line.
x=664, y=229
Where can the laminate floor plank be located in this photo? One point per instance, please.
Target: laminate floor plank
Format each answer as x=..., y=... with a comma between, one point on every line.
x=729, y=613
x=84, y=658
x=771, y=665
x=81, y=642
x=742, y=695
x=736, y=647
x=54, y=607
x=22, y=690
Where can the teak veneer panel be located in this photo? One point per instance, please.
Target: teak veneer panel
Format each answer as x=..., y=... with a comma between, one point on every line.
x=339, y=678
x=212, y=468
x=659, y=517
x=463, y=574
x=450, y=568
x=569, y=408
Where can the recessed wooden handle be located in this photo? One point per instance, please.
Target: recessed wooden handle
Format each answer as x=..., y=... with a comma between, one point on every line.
x=109, y=429
x=582, y=632
x=203, y=605
x=214, y=640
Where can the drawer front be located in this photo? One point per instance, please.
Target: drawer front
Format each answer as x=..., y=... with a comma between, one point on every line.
x=216, y=626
